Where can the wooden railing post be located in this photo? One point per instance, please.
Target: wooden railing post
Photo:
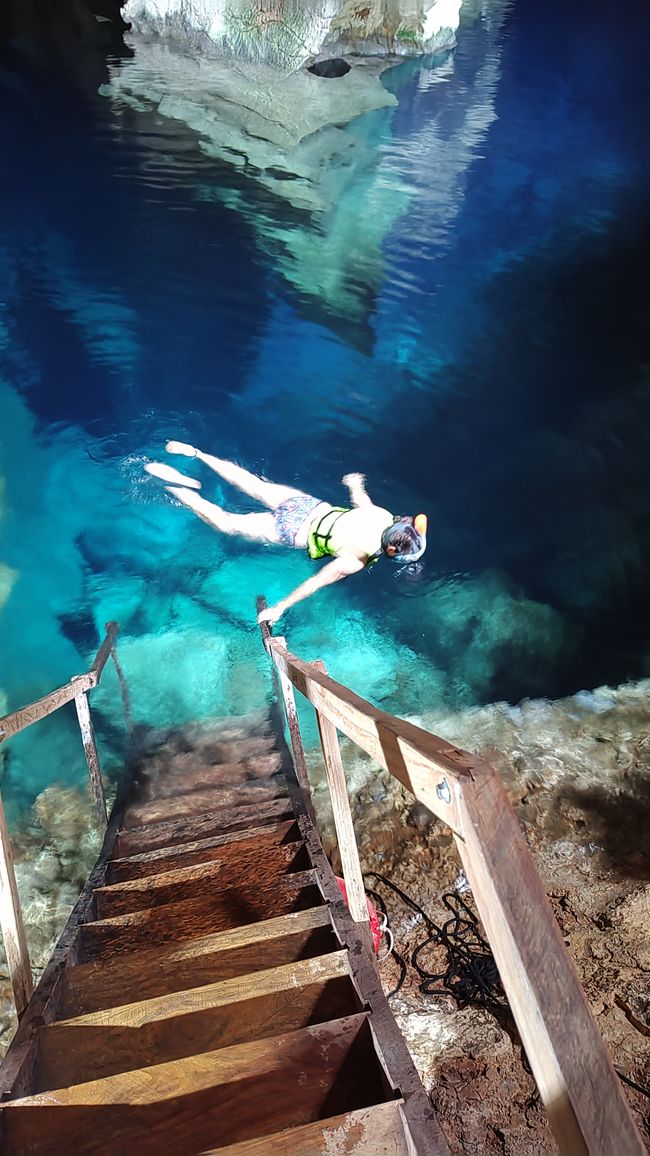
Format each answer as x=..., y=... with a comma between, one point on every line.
x=293, y=723
x=11, y=922
x=92, y=758
x=351, y=865
x=577, y=1083
x=124, y=693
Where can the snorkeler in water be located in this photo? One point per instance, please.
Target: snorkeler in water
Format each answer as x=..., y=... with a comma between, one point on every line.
x=353, y=536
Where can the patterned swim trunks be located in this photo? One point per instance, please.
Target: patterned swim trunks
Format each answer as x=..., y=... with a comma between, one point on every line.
x=291, y=514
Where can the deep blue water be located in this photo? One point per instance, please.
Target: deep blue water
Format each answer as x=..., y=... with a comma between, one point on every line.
x=484, y=359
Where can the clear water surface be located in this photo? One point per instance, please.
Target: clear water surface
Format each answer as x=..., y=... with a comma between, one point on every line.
x=470, y=330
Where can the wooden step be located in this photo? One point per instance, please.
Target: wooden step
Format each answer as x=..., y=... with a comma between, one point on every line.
x=202, y=850
x=171, y=832
x=205, y=1101
x=170, y=780
x=249, y=868
x=211, y=747
x=184, y=1023
x=173, y=967
x=376, y=1131
x=230, y=907
x=202, y=803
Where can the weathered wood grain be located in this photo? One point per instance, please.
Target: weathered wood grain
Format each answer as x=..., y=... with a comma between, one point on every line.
x=422, y=762
x=92, y=758
x=581, y=1093
x=153, y=971
x=168, y=783
x=185, y=1023
x=230, y=907
x=425, y=1135
x=224, y=847
x=577, y=1083
x=375, y=1131
x=200, y=1102
x=12, y=724
x=105, y=650
x=173, y=831
x=204, y=802
x=347, y=843
x=185, y=882
x=11, y=923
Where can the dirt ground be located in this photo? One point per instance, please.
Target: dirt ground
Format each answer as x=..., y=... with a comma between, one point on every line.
x=588, y=827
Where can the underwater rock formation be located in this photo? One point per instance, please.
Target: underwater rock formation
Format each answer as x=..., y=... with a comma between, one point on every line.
x=55, y=847
x=286, y=33
x=310, y=156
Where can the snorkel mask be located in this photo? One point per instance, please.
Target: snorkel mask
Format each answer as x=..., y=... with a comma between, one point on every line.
x=416, y=530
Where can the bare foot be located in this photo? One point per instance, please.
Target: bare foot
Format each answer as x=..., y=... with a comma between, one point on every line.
x=169, y=474
x=181, y=448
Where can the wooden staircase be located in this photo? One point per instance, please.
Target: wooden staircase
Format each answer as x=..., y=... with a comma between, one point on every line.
x=210, y=993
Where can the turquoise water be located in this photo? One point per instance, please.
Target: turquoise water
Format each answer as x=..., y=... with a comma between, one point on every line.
x=465, y=319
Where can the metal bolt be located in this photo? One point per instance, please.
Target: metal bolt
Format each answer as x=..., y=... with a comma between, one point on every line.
x=443, y=792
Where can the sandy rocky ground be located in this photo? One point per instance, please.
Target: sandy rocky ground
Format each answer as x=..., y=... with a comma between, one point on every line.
x=578, y=775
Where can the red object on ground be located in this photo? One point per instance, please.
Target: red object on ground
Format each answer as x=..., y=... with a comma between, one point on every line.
x=372, y=912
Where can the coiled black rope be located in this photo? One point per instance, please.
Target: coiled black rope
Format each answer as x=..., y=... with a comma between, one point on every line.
x=471, y=975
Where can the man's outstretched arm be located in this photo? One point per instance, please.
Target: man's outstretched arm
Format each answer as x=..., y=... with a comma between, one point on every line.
x=356, y=484
x=334, y=571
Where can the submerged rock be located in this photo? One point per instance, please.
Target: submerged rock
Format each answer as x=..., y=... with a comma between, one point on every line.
x=286, y=33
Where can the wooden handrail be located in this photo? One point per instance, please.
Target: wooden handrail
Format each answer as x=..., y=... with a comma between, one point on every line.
x=575, y=1077
x=18, y=720
x=11, y=917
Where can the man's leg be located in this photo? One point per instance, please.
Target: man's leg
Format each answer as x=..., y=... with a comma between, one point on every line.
x=169, y=474
x=256, y=527
x=268, y=493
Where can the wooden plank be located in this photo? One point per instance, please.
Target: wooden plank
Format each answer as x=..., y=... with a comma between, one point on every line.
x=12, y=724
x=416, y=759
x=167, y=784
x=428, y=766
x=347, y=843
x=105, y=650
x=425, y=1135
x=583, y=1097
x=230, y=907
x=375, y=1131
x=17, y=1068
x=92, y=758
x=184, y=1023
x=170, y=833
x=15, y=722
x=11, y=923
x=201, y=850
x=213, y=1099
x=297, y=748
x=249, y=868
x=153, y=971
x=204, y=802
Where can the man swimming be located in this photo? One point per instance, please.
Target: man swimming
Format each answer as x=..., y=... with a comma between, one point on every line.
x=353, y=537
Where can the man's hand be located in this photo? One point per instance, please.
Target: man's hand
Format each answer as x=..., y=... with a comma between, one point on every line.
x=271, y=614
x=181, y=448
x=353, y=479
